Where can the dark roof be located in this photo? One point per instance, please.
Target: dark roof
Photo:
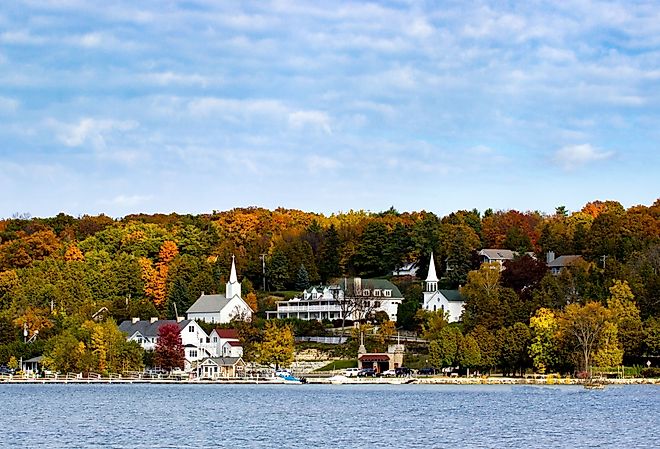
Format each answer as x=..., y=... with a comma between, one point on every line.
x=234, y=343
x=227, y=333
x=148, y=329
x=223, y=361
x=375, y=357
x=452, y=295
x=563, y=261
x=382, y=284
x=209, y=304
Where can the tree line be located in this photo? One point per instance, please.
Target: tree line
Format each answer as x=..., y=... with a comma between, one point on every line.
x=56, y=273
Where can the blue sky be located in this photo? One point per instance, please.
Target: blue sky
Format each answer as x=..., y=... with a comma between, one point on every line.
x=190, y=106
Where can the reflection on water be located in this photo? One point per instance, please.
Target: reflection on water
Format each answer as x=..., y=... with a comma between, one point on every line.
x=343, y=416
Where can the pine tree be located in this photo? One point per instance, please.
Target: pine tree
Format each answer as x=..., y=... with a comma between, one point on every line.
x=302, y=278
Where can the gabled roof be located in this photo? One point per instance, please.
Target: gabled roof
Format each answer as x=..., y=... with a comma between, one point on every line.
x=227, y=333
x=222, y=361
x=148, y=329
x=234, y=343
x=563, y=261
x=498, y=254
x=209, y=304
x=452, y=295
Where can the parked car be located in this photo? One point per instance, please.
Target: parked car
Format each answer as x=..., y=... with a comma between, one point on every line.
x=403, y=371
x=6, y=370
x=367, y=372
x=389, y=373
x=429, y=371
x=351, y=372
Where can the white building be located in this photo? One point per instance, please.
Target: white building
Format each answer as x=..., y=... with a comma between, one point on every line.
x=222, y=308
x=196, y=343
x=449, y=301
x=356, y=298
x=226, y=342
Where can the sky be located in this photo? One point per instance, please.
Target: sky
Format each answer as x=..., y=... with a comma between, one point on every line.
x=160, y=106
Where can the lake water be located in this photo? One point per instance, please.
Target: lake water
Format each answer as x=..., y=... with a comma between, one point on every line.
x=337, y=416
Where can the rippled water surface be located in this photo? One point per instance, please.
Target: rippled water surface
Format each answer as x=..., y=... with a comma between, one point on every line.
x=341, y=416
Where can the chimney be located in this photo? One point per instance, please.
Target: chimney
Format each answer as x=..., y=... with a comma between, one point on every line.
x=549, y=257
x=179, y=319
x=153, y=319
x=135, y=320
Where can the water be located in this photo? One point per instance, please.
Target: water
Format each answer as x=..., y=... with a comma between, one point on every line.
x=338, y=416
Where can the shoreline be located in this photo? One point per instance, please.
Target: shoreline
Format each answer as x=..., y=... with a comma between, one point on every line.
x=347, y=381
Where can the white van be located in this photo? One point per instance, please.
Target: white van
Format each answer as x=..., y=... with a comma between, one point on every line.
x=351, y=372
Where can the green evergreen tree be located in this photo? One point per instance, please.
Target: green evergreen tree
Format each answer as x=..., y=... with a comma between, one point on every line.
x=302, y=278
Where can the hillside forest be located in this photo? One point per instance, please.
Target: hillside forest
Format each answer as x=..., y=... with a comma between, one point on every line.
x=66, y=281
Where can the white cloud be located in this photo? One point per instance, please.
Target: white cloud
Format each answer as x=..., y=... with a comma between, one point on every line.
x=574, y=156
x=229, y=108
x=127, y=200
x=313, y=119
x=168, y=78
x=90, y=130
x=317, y=163
x=8, y=104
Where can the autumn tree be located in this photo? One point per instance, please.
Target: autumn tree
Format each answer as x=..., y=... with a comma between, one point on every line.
x=584, y=328
x=626, y=317
x=169, y=349
x=277, y=345
x=544, y=345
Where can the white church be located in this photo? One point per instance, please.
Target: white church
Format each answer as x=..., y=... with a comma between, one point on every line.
x=449, y=301
x=222, y=308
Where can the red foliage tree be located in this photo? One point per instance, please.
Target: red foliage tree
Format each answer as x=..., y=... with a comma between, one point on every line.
x=169, y=349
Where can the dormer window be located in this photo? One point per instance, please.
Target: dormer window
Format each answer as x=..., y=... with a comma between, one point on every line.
x=366, y=292
x=387, y=293
x=376, y=292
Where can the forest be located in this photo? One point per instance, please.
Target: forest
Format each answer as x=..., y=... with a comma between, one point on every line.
x=65, y=281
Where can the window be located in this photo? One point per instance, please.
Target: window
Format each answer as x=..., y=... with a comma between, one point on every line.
x=434, y=308
x=376, y=292
x=215, y=339
x=191, y=328
x=387, y=293
x=193, y=353
x=366, y=292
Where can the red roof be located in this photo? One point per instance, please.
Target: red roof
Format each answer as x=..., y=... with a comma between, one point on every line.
x=227, y=333
x=234, y=343
x=375, y=357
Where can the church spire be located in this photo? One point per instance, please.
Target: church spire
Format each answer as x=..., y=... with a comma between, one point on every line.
x=431, y=278
x=232, y=274
x=233, y=286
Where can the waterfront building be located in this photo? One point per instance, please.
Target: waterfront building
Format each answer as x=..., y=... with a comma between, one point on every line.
x=227, y=343
x=352, y=299
x=449, y=301
x=381, y=361
x=222, y=308
x=196, y=343
x=218, y=367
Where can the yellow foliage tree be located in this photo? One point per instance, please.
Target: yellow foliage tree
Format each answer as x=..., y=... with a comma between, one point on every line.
x=73, y=253
x=251, y=300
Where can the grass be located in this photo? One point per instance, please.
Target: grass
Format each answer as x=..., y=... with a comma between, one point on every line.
x=339, y=364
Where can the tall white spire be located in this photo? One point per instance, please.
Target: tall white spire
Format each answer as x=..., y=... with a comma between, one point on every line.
x=432, y=277
x=233, y=286
x=232, y=274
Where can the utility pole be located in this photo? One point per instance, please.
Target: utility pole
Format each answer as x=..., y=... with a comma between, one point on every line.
x=263, y=269
x=603, y=259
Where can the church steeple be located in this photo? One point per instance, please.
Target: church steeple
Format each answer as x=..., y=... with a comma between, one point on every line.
x=233, y=286
x=431, y=278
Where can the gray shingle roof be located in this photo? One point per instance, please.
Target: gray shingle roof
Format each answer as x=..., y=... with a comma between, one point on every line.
x=148, y=329
x=498, y=254
x=452, y=295
x=223, y=361
x=209, y=304
x=563, y=261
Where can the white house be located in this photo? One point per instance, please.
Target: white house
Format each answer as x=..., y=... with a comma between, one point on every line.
x=226, y=342
x=449, y=301
x=196, y=343
x=219, y=367
x=496, y=255
x=222, y=308
x=332, y=302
